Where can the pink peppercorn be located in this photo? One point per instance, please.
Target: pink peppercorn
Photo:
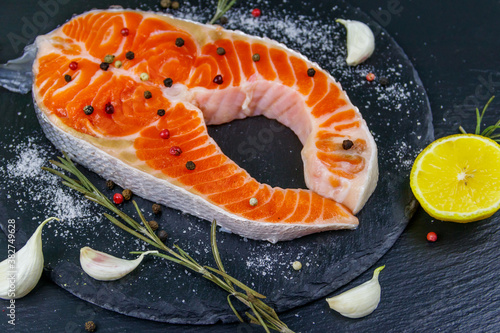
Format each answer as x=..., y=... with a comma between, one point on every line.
x=432, y=236
x=176, y=151
x=165, y=134
x=117, y=198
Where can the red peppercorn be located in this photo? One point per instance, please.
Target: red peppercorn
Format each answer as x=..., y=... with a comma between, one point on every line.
x=165, y=134
x=118, y=198
x=432, y=237
x=370, y=77
x=124, y=32
x=218, y=79
x=176, y=151
x=73, y=65
x=109, y=108
x=256, y=12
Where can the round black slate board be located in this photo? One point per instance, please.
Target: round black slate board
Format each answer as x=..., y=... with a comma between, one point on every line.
x=399, y=117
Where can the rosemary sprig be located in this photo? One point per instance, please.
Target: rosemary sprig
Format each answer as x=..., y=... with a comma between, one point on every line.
x=262, y=314
x=222, y=7
x=488, y=131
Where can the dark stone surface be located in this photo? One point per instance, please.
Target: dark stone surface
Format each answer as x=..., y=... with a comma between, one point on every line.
x=449, y=285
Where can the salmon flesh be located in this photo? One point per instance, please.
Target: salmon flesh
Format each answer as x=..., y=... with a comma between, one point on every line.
x=140, y=122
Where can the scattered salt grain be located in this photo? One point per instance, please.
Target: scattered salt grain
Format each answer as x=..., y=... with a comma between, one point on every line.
x=40, y=187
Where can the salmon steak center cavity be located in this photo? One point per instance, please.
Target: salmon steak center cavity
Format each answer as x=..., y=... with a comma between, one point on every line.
x=129, y=95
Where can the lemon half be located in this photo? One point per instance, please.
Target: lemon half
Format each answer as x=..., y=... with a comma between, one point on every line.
x=457, y=178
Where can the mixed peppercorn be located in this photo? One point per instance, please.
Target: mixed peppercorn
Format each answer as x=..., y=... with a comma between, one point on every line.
x=109, y=108
x=168, y=82
x=90, y=326
x=190, y=165
x=179, y=42
x=165, y=134
x=218, y=79
x=432, y=236
x=347, y=144
x=176, y=151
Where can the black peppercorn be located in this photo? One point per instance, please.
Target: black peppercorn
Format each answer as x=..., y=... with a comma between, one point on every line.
x=156, y=209
x=168, y=82
x=104, y=66
x=110, y=184
x=218, y=79
x=221, y=51
x=179, y=42
x=256, y=57
x=148, y=94
x=88, y=109
x=311, y=72
x=175, y=5
x=127, y=194
x=90, y=326
x=162, y=235
x=383, y=81
x=130, y=55
x=347, y=144
x=160, y=112
x=67, y=78
x=190, y=165
x=153, y=225
x=223, y=20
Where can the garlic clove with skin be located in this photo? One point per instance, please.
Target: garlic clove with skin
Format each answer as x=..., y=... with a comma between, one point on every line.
x=359, y=301
x=20, y=274
x=105, y=267
x=360, y=41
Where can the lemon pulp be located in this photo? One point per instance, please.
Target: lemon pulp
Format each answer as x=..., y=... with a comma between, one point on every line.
x=457, y=178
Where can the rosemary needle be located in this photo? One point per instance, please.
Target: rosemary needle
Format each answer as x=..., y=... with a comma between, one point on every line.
x=488, y=131
x=222, y=7
x=261, y=313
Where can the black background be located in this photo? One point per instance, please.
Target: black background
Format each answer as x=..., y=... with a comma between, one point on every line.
x=450, y=285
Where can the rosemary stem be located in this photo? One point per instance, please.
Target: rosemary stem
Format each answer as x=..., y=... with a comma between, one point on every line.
x=263, y=314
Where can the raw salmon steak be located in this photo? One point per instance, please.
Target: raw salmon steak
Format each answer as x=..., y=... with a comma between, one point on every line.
x=142, y=122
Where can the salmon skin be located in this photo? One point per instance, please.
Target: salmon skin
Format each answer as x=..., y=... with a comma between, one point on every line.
x=142, y=123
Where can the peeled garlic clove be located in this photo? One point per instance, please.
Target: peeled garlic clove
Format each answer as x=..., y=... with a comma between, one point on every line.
x=20, y=274
x=360, y=41
x=359, y=301
x=105, y=267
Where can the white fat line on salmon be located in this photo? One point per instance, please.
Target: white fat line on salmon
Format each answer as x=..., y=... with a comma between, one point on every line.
x=47, y=44
x=322, y=119
x=124, y=40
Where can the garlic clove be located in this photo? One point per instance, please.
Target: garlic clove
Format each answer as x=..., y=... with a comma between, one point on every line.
x=359, y=301
x=20, y=274
x=360, y=41
x=105, y=267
